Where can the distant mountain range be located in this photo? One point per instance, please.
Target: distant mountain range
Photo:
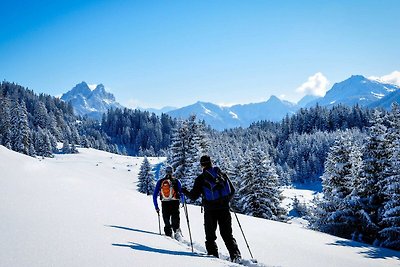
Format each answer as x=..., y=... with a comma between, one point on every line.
x=220, y=117
x=159, y=111
x=90, y=102
x=355, y=90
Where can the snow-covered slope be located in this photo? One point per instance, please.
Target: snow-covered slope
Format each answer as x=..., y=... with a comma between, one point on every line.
x=387, y=101
x=84, y=210
x=90, y=102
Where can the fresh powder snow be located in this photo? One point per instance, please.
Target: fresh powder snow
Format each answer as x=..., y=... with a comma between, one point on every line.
x=84, y=210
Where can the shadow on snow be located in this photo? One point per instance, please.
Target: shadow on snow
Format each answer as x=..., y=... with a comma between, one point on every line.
x=133, y=229
x=370, y=251
x=141, y=247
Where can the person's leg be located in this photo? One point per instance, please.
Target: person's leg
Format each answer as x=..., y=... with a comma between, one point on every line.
x=166, y=213
x=225, y=229
x=210, y=226
x=175, y=218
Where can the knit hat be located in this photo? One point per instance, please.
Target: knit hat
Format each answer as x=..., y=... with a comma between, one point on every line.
x=168, y=170
x=205, y=160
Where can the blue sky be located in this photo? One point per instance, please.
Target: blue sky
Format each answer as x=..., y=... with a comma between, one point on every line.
x=173, y=53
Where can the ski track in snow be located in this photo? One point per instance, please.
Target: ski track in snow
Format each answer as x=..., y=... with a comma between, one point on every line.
x=201, y=251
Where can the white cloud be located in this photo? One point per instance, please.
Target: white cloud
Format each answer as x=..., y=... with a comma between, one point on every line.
x=315, y=85
x=393, y=78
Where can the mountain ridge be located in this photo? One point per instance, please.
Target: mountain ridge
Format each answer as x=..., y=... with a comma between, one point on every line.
x=357, y=89
x=92, y=103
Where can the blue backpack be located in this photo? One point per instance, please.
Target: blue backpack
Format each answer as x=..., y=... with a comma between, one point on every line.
x=216, y=188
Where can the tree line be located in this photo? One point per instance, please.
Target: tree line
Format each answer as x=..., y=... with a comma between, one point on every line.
x=35, y=124
x=361, y=184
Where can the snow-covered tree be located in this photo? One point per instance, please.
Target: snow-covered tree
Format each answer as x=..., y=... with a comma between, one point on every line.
x=5, y=122
x=20, y=132
x=40, y=116
x=187, y=146
x=66, y=149
x=260, y=196
x=376, y=165
x=43, y=146
x=390, y=222
x=337, y=211
x=146, y=178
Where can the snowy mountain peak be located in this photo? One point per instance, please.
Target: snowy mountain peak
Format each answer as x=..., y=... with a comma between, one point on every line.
x=357, y=77
x=92, y=103
x=101, y=92
x=79, y=89
x=355, y=90
x=100, y=87
x=274, y=99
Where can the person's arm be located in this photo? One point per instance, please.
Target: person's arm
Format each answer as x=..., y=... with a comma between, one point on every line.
x=233, y=189
x=196, y=190
x=155, y=195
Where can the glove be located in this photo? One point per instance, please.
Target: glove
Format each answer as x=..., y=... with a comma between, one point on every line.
x=158, y=210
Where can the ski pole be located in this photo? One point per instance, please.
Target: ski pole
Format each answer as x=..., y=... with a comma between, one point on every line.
x=240, y=226
x=187, y=219
x=159, y=225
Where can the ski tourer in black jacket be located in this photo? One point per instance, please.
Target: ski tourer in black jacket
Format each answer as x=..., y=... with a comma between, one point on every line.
x=216, y=212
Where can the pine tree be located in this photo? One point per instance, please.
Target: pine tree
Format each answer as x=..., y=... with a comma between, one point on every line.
x=146, y=178
x=194, y=150
x=259, y=189
x=42, y=143
x=66, y=149
x=390, y=234
x=187, y=146
x=20, y=132
x=178, y=148
x=5, y=122
x=336, y=212
x=245, y=177
x=376, y=165
x=40, y=116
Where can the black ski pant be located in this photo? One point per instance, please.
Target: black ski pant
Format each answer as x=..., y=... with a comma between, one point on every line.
x=223, y=219
x=170, y=213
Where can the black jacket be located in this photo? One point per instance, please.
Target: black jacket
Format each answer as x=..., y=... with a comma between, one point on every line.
x=200, y=183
